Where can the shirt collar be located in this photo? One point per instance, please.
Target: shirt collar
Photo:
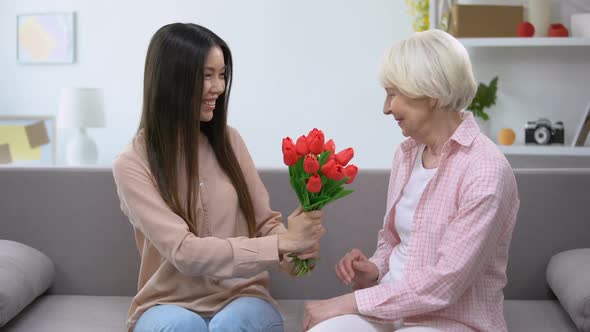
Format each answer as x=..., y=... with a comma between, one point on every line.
x=464, y=135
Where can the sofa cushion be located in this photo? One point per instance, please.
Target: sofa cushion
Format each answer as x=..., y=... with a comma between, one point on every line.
x=538, y=316
x=74, y=313
x=25, y=273
x=521, y=316
x=568, y=275
x=71, y=313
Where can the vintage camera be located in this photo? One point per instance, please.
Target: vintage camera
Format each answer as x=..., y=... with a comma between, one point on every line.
x=542, y=132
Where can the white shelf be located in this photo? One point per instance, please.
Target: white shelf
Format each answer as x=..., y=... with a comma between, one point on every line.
x=546, y=150
x=524, y=42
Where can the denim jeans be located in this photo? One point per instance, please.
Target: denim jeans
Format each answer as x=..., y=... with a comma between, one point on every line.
x=243, y=314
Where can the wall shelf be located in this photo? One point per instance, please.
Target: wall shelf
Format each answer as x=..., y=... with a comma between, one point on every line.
x=524, y=42
x=546, y=150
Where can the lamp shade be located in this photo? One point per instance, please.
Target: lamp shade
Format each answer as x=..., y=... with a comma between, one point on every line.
x=81, y=108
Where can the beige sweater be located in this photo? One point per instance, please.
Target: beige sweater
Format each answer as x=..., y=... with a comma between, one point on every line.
x=201, y=273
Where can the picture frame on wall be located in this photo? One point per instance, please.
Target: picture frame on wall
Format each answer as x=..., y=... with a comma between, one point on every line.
x=27, y=140
x=46, y=38
x=583, y=130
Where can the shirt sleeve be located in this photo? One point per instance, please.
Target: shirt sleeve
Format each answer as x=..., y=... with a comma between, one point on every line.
x=487, y=203
x=385, y=240
x=381, y=256
x=170, y=235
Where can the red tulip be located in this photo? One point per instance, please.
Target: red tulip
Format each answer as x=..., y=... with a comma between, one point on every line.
x=301, y=146
x=328, y=167
x=330, y=146
x=315, y=141
x=311, y=164
x=350, y=171
x=314, y=184
x=333, y=171
x=290, y=157
x=338, y=173
x=344, y=156
x=288, y=144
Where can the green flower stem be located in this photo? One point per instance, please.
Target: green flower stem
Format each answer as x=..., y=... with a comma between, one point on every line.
x=303, y=266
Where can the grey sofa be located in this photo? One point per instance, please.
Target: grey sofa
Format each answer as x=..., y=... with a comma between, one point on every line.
x=73, y=216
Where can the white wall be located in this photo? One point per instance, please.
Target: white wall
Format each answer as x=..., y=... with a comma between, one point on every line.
x=298, y=64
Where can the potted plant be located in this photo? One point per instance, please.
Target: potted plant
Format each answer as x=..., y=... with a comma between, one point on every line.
x=485, y=97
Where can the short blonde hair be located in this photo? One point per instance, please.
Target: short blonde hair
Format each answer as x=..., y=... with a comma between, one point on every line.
x=430, y=64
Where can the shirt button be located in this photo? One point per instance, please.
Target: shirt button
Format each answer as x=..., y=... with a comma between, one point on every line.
x=202, y=184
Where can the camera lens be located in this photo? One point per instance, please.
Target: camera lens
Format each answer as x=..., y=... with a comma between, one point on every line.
x=542, y=135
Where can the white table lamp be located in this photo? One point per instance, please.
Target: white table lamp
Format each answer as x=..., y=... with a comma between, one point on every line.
x=81, y=108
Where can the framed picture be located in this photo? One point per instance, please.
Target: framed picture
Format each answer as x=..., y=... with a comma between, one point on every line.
x=584, y=129
x=45, y=38
x=27, y=140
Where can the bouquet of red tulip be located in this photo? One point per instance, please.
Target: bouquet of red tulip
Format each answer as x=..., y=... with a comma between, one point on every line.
x=317, y=174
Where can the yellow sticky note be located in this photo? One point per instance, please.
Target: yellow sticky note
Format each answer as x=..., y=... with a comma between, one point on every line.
x=20, y=148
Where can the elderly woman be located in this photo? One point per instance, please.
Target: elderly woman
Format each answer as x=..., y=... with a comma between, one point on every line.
x=440, y=262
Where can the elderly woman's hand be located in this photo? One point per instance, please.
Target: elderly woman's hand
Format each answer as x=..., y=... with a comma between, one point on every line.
x=356, y=269
x=316, y=312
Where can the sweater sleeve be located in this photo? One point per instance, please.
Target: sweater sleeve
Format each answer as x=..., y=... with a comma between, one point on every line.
x=170, y=235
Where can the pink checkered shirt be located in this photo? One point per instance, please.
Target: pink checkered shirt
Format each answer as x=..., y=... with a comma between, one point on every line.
x=461, y=233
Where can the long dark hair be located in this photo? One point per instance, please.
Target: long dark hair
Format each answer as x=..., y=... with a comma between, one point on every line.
x=172, y=97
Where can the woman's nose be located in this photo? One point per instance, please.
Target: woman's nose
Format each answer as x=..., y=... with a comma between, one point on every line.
x=218, y=86
x=387, y=107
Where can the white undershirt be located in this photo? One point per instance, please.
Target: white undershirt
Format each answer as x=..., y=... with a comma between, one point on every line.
x=404, y=216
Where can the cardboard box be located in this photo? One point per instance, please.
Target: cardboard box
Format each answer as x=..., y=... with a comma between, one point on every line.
x=473, y=21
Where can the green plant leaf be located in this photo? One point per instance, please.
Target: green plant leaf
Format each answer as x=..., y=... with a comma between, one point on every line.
x=298, y=190
x=485, y=97
x=342, y=194
x=324, y=157
x=316, y=205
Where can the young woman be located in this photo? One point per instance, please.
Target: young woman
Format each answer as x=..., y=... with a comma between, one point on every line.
x=201, y=214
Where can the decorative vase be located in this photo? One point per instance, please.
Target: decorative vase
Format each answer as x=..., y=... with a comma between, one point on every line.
x=539, y=15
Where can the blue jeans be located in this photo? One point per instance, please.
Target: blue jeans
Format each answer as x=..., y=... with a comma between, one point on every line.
x=242, y=314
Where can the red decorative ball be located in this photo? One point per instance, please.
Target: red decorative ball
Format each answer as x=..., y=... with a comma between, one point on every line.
x=557, y=30
x=525, y=29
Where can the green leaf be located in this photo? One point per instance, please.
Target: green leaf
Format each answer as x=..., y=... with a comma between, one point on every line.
x=299, y=171
x=334, y=187
x=304, y=192
x=342, y=194
x=485, y=97
x=324, y=157
x=297, y=189
x=321, y=198
x=316, y=205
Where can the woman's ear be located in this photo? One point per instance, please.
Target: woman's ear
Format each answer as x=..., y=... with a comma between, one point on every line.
x=433, y=103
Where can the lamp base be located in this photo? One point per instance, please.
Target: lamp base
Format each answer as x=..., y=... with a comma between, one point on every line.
x=81, y=150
